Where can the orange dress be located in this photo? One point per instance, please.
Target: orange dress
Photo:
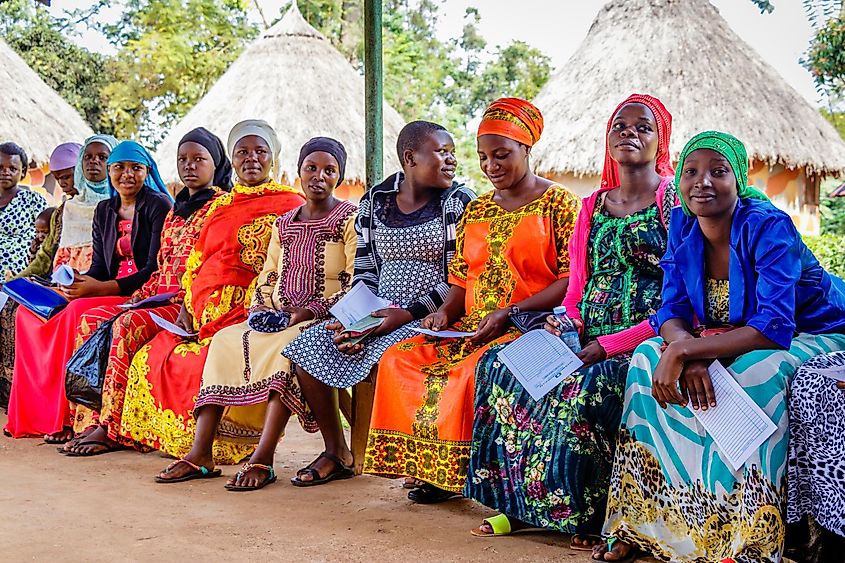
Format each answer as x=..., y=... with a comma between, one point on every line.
x=423, y=410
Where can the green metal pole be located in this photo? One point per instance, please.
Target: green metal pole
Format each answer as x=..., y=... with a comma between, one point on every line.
x=373, y=91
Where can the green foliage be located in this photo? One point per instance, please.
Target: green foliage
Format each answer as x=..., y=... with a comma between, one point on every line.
x=765, y=6
x=77, y=74
x=826, y=56
x=830, y=250
x=836, y=118
x=832, y=210
x=171, y=53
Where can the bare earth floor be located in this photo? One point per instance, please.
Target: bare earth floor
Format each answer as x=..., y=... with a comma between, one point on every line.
x=108, y=508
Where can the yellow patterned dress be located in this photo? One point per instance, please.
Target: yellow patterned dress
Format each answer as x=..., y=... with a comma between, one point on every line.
x=165, y=375
x=423, y=410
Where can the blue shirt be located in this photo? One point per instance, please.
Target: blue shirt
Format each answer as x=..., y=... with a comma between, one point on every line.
x=776, y=284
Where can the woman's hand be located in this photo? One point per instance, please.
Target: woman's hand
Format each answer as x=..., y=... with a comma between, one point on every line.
x=592, y=353
x=435, y=321
x=493, y=325
x=696, y=385
x=552, y=325
x=664, y=384
x=394, y=317
x=298, y=314
x=185, y=321
x=86, y=286
x=259, y=309
x=341, y=339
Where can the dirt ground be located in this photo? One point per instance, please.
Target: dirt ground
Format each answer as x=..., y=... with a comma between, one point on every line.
x=108, y=508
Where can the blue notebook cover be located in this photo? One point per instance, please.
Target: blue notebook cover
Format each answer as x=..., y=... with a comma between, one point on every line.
x=41, y=300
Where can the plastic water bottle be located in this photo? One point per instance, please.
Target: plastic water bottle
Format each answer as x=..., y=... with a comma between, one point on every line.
x=568, y=332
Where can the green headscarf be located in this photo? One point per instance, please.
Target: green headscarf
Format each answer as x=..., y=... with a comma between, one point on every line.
x=733, y=150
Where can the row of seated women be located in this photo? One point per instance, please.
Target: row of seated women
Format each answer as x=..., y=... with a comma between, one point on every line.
x=662, y=271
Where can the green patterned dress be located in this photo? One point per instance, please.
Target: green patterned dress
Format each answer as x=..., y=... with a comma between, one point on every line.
x=548, y=462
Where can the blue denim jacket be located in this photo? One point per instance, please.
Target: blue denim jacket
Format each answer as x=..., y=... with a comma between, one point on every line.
x=776, y=284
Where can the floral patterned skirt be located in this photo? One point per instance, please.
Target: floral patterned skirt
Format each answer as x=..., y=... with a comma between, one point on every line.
x=546, y=462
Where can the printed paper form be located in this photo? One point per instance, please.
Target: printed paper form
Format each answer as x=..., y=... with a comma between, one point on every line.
x=736, y=423
x=357, y=304
x=63, y=275
x=442, y=333
x=3, y=299
x=170, y=327
x=540, y=361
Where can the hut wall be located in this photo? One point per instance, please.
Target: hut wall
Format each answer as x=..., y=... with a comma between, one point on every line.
x=790, y=189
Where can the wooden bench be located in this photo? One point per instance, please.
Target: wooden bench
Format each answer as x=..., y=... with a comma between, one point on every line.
x=357, y=408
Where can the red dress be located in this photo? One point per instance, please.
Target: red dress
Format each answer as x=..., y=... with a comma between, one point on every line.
x=37, y=404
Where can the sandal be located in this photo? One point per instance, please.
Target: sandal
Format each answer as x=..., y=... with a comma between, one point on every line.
x=200, y=472
x=413, y=483
x=271, y=478
x=633, y=555
x=429, y=494
x=107, y=448
x=596, y=539
x=342, y=471
x=500, y=523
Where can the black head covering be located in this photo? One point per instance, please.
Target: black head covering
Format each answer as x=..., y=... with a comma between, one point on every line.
x=222, y=164
x=329, y=145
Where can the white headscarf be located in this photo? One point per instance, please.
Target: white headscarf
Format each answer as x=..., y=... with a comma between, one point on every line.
x=78, y=212
x=259, y=128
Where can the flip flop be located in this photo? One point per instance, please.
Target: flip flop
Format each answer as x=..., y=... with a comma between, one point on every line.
x=500, y=523
x=596, y=540
x=271, y=478
x=415, y=485
x=342, y=471
x=108, y=448
x=429, y=494
x=632, y=556
x=200, y=472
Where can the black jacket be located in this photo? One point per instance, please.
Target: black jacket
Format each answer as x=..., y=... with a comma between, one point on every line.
x=150, y=210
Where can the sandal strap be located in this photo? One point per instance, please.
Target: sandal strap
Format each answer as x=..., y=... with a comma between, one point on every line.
x=500, y=523
x=202, y=469
x=334, y=458
x=247, y=466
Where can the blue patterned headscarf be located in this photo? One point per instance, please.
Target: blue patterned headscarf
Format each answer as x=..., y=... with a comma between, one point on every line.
x=91, y=193
x=130, y=151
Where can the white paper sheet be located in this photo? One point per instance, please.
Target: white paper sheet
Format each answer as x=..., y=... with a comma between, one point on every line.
x=540, y=361
x=149, y=301
x=357, y=304
x=170, y=327
x=3, y=299
x=63, y=275
x=443, y=333
x=736, y=423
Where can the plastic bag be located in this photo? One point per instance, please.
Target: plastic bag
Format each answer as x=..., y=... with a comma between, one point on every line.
x=86, y=369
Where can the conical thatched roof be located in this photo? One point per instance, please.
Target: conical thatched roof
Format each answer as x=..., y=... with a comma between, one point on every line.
x=685, y=53
x=32, y=114
x=293, y=78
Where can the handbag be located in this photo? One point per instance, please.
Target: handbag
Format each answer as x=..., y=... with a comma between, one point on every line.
x=86, y=369
x=526, y=321
x=42, y=301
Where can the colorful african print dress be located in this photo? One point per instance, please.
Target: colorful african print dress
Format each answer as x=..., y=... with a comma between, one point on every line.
x=17, y=229
x=817, y=444
x=165, y=374
x=673, y=493
x=135, y=328
x=422, y=415
x=309, y=264
x=548, y=462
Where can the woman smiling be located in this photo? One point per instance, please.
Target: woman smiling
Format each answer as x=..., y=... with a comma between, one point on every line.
x=126, y=234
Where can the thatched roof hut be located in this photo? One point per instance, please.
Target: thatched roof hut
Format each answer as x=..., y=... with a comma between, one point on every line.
x=32, y=114
x=293, y=78
x=686, y=54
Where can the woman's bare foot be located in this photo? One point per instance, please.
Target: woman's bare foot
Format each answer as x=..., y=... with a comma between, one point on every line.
x=95, y=442
x=78, y=438
x=619, y=551
x=253, y=476
x=585, y=542
x=179, y=470
x=486, y=528
x=412, y=483
x=62, y=436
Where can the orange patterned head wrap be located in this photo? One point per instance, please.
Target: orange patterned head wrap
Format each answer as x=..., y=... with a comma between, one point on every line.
x=512, y=118
x=662, y=164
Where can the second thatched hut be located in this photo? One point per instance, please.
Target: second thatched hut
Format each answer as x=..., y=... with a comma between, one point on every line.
x=294, y=79
x=686, y=54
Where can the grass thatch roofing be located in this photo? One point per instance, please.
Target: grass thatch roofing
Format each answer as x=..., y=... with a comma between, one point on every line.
x=32, y=114
x=293, y=78
x=683, y=52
